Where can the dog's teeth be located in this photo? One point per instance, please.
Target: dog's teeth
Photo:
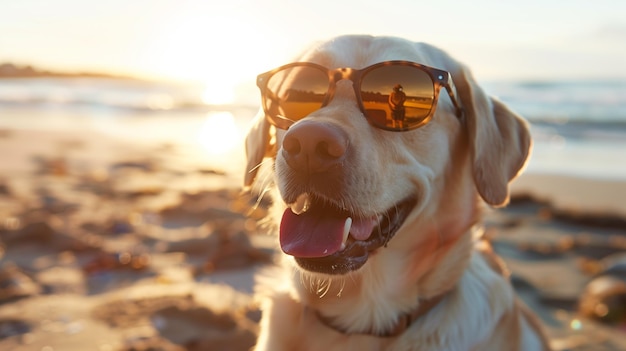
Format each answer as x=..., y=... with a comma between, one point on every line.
x=346, y=232
x=301, y=205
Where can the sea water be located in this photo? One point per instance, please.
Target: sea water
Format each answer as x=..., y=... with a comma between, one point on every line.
x=578, y=127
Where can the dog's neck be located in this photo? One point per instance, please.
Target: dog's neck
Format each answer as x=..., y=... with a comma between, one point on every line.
x=404, y=322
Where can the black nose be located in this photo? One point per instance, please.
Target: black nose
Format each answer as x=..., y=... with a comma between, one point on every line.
x=314, y=147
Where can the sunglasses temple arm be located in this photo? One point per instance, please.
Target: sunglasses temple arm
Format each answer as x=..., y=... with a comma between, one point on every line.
x=452, y=92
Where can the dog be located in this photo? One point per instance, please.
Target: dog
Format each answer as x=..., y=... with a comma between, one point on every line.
x=380, y=224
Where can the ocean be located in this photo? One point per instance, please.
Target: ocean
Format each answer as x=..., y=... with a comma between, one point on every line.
x=578, y=127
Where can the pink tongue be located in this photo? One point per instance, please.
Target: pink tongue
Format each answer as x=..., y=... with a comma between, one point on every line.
x=318, y=233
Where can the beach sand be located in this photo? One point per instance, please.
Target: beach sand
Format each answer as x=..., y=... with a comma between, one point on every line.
x=112, y=245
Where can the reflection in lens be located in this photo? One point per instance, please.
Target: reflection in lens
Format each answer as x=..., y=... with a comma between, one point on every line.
x=296, y=92
x=397, y=97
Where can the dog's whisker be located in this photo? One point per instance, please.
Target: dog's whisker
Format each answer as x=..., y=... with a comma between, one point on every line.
x=260, y=197
x=302, y=280
x=343, y=285
x=352, y=277
x=257, y=203
x=263, y=163
x=257, y=167
x=265, y=176
x=311, y=285
x=319, y=286
x=303, y=277
x=323, y=290
x=322, y=286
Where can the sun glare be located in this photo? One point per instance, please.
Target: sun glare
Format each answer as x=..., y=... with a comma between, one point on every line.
x=198, y=44
x=219, y=133
x=218, y=94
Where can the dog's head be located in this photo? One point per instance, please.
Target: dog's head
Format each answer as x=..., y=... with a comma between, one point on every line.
x=354, y=192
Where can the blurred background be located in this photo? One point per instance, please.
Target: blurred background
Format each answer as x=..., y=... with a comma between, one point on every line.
x=122, y=225
x=186, y=69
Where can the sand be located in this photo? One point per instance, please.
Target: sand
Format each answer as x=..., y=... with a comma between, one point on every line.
x=112, y=245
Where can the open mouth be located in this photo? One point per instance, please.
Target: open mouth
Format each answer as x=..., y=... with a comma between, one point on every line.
x=327, y=239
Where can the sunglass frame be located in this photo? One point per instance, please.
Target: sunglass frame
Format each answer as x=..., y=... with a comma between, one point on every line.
x=439, y=78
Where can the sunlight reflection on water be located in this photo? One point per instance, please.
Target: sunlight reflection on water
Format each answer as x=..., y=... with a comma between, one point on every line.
x=219, y=133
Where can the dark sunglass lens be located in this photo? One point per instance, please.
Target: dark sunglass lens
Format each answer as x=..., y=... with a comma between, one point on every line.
x=397, y=97
x=295, y=92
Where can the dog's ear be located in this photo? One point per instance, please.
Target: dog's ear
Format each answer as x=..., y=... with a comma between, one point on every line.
x=499, y=140
x=259, y=144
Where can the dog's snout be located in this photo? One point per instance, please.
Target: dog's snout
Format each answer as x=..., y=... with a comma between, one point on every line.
x=314, y=147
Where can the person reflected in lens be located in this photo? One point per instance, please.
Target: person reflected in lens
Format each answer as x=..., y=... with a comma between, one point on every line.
x=396, y=104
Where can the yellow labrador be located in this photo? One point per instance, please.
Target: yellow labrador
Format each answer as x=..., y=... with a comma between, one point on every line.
x=381, y=150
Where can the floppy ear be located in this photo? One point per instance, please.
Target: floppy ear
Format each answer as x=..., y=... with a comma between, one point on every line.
x=258, y=146
x=499, y=140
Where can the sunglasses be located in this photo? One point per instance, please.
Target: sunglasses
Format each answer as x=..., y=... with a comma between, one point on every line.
x=392, y=95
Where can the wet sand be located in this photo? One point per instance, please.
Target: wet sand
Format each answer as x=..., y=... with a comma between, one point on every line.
x=110, y=245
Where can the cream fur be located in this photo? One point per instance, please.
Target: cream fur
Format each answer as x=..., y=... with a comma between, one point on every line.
x=451, y=164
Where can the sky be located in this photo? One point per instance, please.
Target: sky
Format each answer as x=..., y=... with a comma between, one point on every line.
x=225, y=43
